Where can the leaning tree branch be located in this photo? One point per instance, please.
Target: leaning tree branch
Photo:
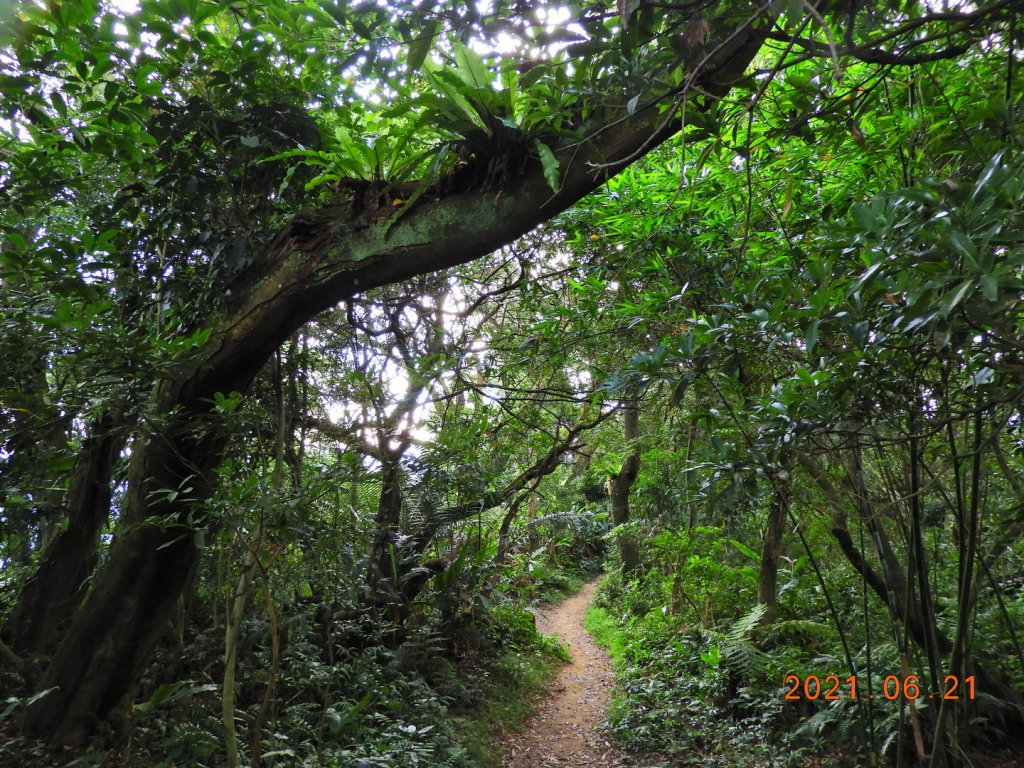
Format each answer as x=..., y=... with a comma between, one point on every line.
x=532, y=475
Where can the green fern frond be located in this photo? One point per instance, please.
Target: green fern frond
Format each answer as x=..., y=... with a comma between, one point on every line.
x=806, y=627
x=744, y=626
x=745, y=657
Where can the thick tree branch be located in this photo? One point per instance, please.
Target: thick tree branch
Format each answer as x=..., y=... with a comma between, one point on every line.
x=324, y=256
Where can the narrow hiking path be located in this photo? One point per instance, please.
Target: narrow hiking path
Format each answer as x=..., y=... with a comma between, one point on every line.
x=565, y=731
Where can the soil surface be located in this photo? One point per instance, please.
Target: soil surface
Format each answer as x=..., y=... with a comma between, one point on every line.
x=565, y=731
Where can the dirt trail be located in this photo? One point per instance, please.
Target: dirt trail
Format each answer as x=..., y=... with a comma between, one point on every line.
x=564, y=732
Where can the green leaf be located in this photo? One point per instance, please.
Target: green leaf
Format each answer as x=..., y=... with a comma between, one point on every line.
x=450, y=89
x=863, y=217
x=550, y=163
x=171, y=691
x=360, y=28
x=712, y=656
x=510, y=85
x=227, y=403
x=990, y=286
x=953, y=299
x=58, y=104
x=361, y=158
x=994, y=164
x=985, y=376
x=859, y=331
x=471, y=68
x=420, y=46
x=867, y=275
x=962, y=246
x=812, y=336
x=12, y=704
x=744, y=549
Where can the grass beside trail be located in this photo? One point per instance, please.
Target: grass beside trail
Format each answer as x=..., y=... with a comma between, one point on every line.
x=516, y=682
x=606, y=633
x=610, y=635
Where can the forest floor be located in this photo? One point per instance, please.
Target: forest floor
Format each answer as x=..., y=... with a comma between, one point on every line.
x=565, y=731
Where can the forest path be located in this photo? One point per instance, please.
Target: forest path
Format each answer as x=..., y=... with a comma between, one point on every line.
x=564, y=732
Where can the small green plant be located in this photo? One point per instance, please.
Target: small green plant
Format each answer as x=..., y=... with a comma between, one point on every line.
x=712, y=656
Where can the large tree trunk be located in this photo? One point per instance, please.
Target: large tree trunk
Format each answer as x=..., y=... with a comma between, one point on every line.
x=622, y=483
x=318, y=259
x=133, y=596
x=49, y=598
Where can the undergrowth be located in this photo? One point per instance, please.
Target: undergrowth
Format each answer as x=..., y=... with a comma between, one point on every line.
x=700, y=673
x=351, y=698
x=507, y=692
x=677, y=701
x=691, y=691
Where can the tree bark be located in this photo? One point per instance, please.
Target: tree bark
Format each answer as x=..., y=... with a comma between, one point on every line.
x=49, y=598
x=622, y=483
x=771, y=549
x=384, y=570
x=236, y=612
x=134, y=595
x=316, y=260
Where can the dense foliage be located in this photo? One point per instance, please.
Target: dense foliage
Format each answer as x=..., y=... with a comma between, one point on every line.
x=336, y=334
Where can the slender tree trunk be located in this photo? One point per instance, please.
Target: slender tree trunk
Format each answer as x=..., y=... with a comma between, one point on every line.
x=622, y=483
x=503, y=532
x=268, y=709
x=236, y=610
x=383, y=568
x=892, y=589
x=891, y=584
x=961, y=660
x=688, y=475
x=917, y=566
x=771, y=549
x=236, y=606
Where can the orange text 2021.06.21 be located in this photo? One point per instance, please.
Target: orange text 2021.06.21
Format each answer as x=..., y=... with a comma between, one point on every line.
x=893, y=687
